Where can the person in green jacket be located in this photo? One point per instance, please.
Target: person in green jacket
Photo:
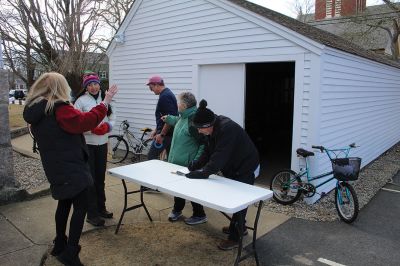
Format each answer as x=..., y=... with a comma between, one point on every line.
x=186, y=147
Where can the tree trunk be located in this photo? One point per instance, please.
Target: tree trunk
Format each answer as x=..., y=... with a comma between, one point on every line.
x=7, y=179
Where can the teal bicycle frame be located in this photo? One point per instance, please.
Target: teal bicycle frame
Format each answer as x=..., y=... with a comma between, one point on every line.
x=332, y=154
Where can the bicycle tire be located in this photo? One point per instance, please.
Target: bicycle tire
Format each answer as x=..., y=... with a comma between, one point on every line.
x=286, y=191
x=144, y=151
x=345, y=200
x=117, y=149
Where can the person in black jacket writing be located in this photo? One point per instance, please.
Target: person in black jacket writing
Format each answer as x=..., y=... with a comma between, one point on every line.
x=230, y=150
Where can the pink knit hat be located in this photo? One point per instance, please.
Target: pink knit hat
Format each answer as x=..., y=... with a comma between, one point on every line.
x=89, y=79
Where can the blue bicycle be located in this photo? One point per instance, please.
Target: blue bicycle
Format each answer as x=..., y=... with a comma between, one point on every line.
x=288, y=185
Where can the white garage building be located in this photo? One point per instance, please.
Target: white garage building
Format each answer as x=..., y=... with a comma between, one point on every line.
x=288, y=84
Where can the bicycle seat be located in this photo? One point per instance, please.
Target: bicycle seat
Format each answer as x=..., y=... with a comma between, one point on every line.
x=304, y=153
x=146, y=129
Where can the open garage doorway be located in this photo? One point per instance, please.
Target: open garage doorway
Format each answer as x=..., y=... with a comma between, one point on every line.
x=269, y=114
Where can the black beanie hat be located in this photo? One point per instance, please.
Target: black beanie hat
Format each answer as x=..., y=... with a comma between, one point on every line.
x=203, y=117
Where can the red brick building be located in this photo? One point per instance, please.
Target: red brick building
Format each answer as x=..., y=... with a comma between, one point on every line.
x=336, y=8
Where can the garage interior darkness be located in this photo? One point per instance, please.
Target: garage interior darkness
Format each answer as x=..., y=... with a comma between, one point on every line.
x=269, y=114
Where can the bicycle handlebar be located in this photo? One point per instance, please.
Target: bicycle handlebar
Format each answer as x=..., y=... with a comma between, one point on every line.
x=322, y=148
x=125, y=123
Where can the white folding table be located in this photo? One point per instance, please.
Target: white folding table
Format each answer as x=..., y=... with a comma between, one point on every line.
x=219, y=193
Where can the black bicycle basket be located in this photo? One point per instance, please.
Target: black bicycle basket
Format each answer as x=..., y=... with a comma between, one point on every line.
x=346, y=169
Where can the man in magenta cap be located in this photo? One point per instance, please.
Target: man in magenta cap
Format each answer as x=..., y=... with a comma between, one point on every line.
x=166, y=105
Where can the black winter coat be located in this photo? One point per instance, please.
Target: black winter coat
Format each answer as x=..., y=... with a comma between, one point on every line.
x=230, y=150
x=64, y=156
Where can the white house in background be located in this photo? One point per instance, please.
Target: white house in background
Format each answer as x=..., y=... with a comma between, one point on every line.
x=288, y=84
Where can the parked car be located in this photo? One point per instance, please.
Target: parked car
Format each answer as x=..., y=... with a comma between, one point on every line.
x=19, y=94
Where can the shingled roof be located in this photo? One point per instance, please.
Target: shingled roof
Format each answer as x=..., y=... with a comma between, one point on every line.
x=314, y=33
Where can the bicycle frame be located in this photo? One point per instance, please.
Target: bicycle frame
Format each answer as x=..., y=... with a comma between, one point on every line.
x=332, y=154
x=129, y=135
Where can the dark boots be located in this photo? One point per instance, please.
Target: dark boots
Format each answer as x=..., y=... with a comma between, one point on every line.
x=60, y=244
x=70, y=256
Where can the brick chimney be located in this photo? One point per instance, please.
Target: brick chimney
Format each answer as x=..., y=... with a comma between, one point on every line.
x=336, y=8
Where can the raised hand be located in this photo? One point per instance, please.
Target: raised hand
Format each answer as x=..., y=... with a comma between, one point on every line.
x=110, y=93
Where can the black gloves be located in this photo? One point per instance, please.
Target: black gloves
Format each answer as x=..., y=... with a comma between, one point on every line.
x=194, y=165
x=197, y=175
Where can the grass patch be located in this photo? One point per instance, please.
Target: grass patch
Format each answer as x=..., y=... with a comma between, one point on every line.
x=15, y=116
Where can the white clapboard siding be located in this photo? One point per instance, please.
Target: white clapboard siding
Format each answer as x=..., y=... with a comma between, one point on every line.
x=166, y=37
x=359, y=102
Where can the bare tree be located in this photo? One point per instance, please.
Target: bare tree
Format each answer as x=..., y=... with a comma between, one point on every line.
x=49, y=35
x=387, y=20
x=303, y=9
x=112, y=13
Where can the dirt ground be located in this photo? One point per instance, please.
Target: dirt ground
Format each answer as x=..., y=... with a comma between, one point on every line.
x=15, y=115
x=157, y=243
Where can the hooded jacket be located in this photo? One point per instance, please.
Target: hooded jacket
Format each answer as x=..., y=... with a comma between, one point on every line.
x=62, y=146
x=186, y=144
x=231, y=151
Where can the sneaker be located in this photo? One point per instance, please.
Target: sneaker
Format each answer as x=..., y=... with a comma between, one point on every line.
x=106, y=214
x=95, y=221
x=174, y=216
x=225, y=230
x=196, y=220
x=228, y=244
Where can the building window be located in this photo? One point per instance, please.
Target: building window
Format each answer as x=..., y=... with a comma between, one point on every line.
x=328, y=8
x=103, y=74
x=338, y=8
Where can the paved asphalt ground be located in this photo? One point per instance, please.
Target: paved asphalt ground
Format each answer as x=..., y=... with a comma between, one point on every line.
x=373, y=239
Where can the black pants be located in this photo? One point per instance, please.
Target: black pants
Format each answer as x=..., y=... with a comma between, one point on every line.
x=239, y=217
x=179, y=204
x=96, y=193
x=154, y=153
x=77, y=219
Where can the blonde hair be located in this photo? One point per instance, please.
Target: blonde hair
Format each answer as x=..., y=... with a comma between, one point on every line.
x=50, y=86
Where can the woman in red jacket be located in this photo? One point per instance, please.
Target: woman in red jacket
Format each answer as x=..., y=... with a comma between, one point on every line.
x=58, y=126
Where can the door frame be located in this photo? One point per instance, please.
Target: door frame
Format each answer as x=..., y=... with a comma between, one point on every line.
x=298, y=59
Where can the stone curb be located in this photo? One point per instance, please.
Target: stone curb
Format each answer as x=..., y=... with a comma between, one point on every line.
x=17, y=132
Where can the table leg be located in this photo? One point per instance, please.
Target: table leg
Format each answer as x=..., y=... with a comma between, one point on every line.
x=260, y=204
x=133, y=207
x=144, y=206
x=239, y=227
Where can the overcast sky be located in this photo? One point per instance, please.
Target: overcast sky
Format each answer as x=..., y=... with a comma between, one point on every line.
x=286, y=6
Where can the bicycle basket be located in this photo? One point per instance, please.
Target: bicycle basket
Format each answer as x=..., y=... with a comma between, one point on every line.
x=346, y=169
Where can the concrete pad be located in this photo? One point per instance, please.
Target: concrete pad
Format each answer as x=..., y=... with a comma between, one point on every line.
x=33, y=218
x=25, y=257
x=11, y=239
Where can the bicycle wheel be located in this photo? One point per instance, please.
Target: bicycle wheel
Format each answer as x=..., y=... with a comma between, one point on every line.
x=117, y=149
x=144, y=150
x=286, y=187
x=346, y=202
